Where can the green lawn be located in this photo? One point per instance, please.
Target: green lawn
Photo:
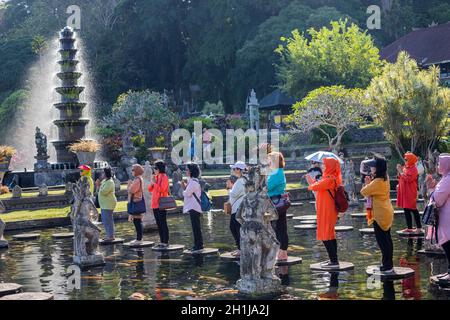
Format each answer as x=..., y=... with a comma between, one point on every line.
x=25, y=215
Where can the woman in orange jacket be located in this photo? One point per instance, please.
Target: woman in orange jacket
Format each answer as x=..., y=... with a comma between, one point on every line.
x=327, y=214
x=159, y=187
x=407, y=191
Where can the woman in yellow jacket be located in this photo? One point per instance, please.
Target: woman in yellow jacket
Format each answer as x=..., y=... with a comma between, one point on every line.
x=382, y=213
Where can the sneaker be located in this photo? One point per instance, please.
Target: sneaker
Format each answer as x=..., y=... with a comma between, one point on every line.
x=163, y=245
x=407, y=230
x=329, y=264
x=196, y=250
x=418, y=230
x=136, y=242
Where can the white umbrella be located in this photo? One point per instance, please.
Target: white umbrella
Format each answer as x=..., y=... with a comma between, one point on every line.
x=319, y=155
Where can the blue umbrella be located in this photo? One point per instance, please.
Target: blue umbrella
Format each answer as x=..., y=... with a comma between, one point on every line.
x=319, y=155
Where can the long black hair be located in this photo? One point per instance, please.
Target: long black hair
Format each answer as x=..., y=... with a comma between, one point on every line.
x=193, y=169
x=161, y=166
x=108, y=173
x=381, y=167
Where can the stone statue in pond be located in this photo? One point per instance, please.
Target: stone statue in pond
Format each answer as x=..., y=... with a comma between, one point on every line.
x=3, y=242
x=84, y=215
x=41, y=143
x=259, y=245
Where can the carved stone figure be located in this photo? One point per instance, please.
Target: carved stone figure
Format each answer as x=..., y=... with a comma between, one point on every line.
x=348, y=170
x=43, y=190
x=17, y=192
x=177, y=190
x=84, y=215
x=3, y=242
x=259, y=245
x=41, y=143
x=148, y=221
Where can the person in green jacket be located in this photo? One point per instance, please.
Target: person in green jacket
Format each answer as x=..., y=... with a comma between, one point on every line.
x=107, y=200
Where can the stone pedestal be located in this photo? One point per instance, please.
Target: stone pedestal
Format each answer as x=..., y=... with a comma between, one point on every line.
x=89, y=261
x=259, y=286
x=41, y=163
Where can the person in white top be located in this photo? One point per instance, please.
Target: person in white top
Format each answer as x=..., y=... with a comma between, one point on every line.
x=237, y=193
x=192, y=193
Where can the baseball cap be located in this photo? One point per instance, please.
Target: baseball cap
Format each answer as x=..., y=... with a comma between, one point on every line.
x=238, y=165
x=84, y=167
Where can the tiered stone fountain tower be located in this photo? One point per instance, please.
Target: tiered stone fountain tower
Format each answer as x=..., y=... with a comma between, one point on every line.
x=71, y=125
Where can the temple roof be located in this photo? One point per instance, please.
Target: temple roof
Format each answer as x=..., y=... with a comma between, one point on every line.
x=276, y=100
x=427, y=46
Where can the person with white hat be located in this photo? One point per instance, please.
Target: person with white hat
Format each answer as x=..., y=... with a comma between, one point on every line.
x=236, y=195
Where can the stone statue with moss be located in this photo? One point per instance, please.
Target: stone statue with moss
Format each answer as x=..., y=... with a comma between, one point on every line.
x=259, y=245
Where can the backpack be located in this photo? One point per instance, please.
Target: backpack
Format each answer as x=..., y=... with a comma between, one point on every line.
x=341, y=199
x=204, y=201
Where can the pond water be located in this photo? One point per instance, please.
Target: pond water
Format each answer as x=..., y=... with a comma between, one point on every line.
x=40, y=265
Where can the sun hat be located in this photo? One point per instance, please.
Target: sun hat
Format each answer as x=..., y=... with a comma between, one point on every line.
x=238, y=165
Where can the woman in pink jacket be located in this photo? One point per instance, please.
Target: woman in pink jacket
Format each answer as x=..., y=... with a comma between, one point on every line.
x=441, y=197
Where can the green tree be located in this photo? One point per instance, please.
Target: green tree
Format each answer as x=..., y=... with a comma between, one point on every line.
x=332, y=111
x=411, y=105
x=13, y=104
x=341, y=54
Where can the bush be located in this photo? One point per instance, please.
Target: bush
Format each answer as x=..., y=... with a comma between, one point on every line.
x=84, y=146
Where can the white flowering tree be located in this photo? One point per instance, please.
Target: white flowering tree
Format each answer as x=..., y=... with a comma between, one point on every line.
x=332, y=107
x=141, y=113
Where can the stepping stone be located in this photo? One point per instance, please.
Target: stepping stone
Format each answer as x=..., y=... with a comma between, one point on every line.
x=9, y=288
x=308, y=217
x=398, y=211
x=420, y=200
x=410, y=234
x=312, y=202
x=63, y=235
x=308, y=222
x=204, y=252
x=110, y=243
x=399, y=273
x=228, y=256
x=343, y=228
x=4, y=244
x=442, y=284
x=29, y=296
x=144, y=244
x=26, y=236
x=393, y=200
x=172, y=247
x=432, y=253
x=362, y=200
x=343, y=266
x=289, y=216
x=306, y=227
x=296, y=204
x=358, y=215
x=367, y=231
x=289, y=262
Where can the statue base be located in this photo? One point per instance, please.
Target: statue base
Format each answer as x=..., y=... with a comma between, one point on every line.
x=259, y=286
x=93, y=260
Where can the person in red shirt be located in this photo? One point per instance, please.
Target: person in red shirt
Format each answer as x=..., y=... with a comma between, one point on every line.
x=159, y=187
x=407, y=190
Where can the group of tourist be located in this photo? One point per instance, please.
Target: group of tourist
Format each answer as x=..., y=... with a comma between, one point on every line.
x=323, y=179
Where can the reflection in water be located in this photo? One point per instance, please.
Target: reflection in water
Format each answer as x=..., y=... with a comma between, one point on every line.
x=41, y=265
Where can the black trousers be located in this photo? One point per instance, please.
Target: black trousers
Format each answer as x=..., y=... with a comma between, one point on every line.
x=280, y=227
x=161, y=222
x=446, y=247
x=235, y=228
x=331, y=246
x=415, y=212
x=384, y=241
x=139, y=228
x=196, y=229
